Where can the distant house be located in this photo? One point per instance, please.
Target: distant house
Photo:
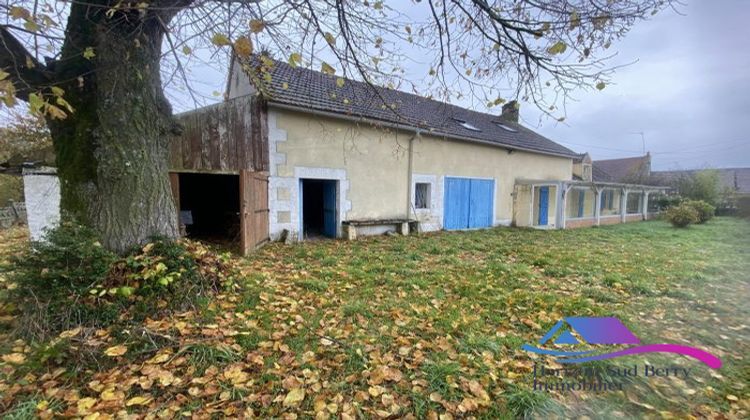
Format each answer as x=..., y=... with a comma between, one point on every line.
x=633, y=170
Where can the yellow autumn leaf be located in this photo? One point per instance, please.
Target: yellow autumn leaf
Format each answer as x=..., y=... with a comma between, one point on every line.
x=14, y=358
x=116, y=351
x=478, y=390
x=294, y=397
x=220, y=40
x=84, y=404
x=340, y=82
x=330, y=39
x=575, y=20
x=159, y=358
x=31, y=26
x=17, y=12
x=89, y=53
x=138, y=401
x=600, y=85
x=186, y=50
x=558, y=47
x=110, y=394
x=327, y=69
x=295, y=59
x=257, y=26
x=243, y=47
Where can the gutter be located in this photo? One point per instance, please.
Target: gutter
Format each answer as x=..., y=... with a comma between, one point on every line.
x=405, y=127
x=409, y=176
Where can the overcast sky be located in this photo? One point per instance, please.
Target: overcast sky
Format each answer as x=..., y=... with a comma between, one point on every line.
x=688, y=92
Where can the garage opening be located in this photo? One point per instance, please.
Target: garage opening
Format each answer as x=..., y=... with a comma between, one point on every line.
x=318, y=208
x=210, y=207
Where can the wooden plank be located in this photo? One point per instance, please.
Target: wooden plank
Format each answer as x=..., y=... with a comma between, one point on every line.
x=261, y=209
x=174, y=182
x=228, y=137
x=261, y=156
x=253, y=210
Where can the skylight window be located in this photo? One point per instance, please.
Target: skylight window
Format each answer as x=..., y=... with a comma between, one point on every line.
x=466, y=125
x=505, y=127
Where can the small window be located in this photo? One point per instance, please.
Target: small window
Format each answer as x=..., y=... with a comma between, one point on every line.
x=466, y=125
x=505, y=127
x=422, y=195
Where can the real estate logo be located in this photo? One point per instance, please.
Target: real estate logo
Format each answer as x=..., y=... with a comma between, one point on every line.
x=606, y=330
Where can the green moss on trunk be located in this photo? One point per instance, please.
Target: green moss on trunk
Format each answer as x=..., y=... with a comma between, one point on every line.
x=112, y=152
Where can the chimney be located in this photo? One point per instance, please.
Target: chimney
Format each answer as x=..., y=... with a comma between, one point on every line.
x=510, y=111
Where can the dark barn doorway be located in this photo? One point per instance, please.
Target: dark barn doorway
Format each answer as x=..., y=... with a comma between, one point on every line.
x=210, y=207
x=318, y=208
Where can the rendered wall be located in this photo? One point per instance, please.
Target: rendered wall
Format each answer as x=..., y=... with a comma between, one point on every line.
x=522, y=205
x=371, y=165
x=239, y=83
x=442, y=157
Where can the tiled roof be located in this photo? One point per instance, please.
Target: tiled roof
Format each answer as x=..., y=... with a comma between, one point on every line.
x=598, y=175
x=308, y=89
x=621, y=169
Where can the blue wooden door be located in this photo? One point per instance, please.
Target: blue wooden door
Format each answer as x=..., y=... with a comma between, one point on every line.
x=329, y=209
x=468, y=203
x=480, y=203
x=543, y=205
x=456, y=207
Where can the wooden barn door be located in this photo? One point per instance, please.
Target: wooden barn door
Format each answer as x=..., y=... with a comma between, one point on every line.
x=174, y=182
x=253, y=209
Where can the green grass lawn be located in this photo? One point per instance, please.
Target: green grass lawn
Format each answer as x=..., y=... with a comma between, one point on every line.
x=422, y=325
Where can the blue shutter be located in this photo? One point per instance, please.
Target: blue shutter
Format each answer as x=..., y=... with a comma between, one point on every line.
x=543, y=205
x=329, y=209
x=468, y=203
x=456, y=207
x=480, y=204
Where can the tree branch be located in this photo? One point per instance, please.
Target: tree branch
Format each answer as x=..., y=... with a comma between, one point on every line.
x=26, y=73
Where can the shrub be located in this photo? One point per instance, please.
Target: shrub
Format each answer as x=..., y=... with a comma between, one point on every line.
x=666, y=201
x=702, y=185
x=70, y=280
x=681, y=216
x=705, y=210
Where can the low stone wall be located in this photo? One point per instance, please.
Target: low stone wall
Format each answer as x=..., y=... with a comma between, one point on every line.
x=633, y=218
x=609, y=220
x=579, y=223
x=13, y=214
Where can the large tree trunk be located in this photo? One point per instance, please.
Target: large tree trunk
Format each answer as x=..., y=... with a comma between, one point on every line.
x=112, y=151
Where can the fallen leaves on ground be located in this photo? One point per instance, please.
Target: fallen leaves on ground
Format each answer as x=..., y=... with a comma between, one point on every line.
x=427, y=327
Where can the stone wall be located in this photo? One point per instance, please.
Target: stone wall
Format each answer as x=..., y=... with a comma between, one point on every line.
x=578, y=223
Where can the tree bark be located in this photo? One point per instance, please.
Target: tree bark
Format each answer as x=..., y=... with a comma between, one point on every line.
x=112, y=152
